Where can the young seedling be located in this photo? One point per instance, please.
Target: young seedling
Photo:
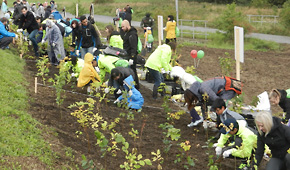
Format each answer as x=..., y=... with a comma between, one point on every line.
x=42, y=66
x=226, y=64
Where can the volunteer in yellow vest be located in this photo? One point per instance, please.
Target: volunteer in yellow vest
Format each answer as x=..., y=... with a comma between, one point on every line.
x=114, y=37
x=159, y=62
x=170, y=29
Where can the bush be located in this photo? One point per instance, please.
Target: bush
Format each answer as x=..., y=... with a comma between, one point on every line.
x=81, y=10
x=230, y=18
x=103, y=1
x=285, y=14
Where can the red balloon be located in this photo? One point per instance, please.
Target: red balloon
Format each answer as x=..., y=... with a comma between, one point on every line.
x=193, y=53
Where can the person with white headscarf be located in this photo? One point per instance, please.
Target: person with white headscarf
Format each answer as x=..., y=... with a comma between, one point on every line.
x=54, y=37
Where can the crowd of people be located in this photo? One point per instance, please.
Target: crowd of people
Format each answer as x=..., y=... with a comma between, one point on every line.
x=90, y=64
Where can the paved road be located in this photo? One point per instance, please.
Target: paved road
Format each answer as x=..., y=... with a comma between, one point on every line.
x=275, y=38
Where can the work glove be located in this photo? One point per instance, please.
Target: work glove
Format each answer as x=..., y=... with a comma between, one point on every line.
x=218, y=151
x=107, y=90
x=94, y=49
x=53, y=44
x=116, y=101
x=130, y=93
x=227, y=153
x=215, y=145
x=119, y=91
x=131, y=62
x=204, y=124
x=97, y=69
x=167, y=72
x=73, y=75
x=77, y=52
x=19, y=30
x=162, y=70
x=16, y=36
x=42, y=41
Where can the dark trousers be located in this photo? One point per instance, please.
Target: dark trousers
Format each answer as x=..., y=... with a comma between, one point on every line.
x=278, y=164
x=170, y=40
x=158, y=79
x=194, y=115
x=32, y=37
x=5, y=41
x=133, y=67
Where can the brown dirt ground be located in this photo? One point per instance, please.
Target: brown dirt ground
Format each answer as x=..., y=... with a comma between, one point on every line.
x=261, y=71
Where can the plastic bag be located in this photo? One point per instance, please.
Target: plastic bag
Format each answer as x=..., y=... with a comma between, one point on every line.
x=150, y=38
x=177, y=32
x=139, y=46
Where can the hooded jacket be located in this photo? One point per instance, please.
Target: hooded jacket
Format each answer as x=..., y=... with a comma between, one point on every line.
x=130, y=41
x=28, y=22
x=106, y=64
x=285, y=103
x=116, y=40
x=54, y=35
x=147, y=22
x=249, y=141
x=4, y=32
x=160, y=58
x=278, y=141
x=88, y=72
x=136, y=100
x=170, y=29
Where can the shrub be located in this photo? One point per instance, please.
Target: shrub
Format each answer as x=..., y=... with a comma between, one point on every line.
x=103, y=1
x=230, y=18
x=285, y=14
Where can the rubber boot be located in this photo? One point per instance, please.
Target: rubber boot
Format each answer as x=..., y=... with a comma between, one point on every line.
x=155, y=92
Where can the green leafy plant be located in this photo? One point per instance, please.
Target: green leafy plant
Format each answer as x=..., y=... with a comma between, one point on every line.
x=135, y=161
x=226, y=64
x=22, y=45
x=172, y=134
x=237, y=103
x=157, y=158
x=183, y=157
x=190, y=70
x=88, y=164
x=42, y=66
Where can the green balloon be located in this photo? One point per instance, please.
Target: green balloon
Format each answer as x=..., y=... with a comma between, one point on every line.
x=200, y=54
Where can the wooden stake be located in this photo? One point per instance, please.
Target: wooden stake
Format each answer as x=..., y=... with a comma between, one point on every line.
x=35, y=85
x=159, y=29
x=238, y=73
x=77, y=10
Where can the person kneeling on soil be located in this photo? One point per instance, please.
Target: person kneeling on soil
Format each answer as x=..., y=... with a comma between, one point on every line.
x=88, y=74
x=245, y=141
x=159, y=61
x=135, y=99
x=275, y=135
x=5, y=37
x=117, y=77
x=281, y=97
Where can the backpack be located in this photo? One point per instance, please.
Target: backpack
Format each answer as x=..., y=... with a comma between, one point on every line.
x=233, y=84
x=115, y=51
x=177, y=32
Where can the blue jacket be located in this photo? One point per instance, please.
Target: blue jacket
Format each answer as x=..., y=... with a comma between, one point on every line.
x=135, y=101
x=56, y=15
x=4, y=32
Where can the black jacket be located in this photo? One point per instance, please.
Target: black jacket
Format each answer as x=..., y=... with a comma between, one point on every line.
x=285, y=103
x=17, y=13
x=28, y=22
x=130, y=41
x=125, y=72
x=88, y=37
x=278, y=141
x=147, y=22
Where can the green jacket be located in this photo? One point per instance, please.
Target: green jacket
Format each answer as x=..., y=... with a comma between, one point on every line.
x=249, y=141
x=116, y=41
x=76, y=68
x=160, y=58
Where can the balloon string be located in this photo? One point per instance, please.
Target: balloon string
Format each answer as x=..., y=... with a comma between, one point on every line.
x=197, y=63
x=194, y=63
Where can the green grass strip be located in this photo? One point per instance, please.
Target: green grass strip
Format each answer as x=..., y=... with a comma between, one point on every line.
x=19, y=135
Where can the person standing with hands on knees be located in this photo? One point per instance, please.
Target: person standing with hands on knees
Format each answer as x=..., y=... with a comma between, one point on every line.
x=28, y=22
x=158, y=63
x=130, y=42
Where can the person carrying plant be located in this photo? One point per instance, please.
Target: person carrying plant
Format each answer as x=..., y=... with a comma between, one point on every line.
x=56, y=51
x=170, y=29
x=117, y=77
x=87, y=38
x=208, y=91
x=28, y=22
x=130, y=42
x=277, y=137
x=134, y=98
x=88, y=74
x=158, y=63
x=113, y=37
x=282, y=98
x=5, y=37
x=245, y=141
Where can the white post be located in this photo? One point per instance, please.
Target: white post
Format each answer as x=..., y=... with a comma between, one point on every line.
x=239, y=49
x=176, y=5
x=35, y=85
x=160, y=29
x=77, y=10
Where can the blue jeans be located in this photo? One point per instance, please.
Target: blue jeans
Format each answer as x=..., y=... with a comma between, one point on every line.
x=157, y=76
x=33, y=40
x=84, y=51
